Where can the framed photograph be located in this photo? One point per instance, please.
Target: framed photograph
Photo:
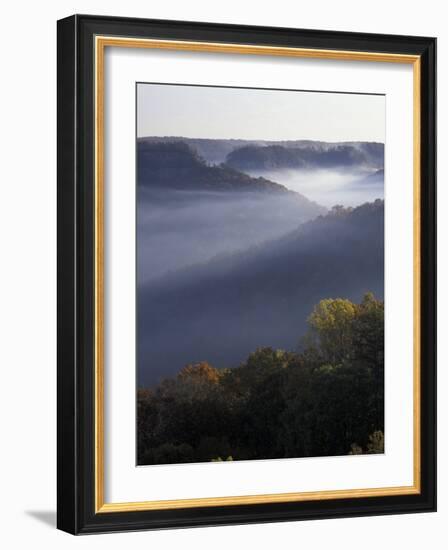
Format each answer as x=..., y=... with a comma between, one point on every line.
x=246, y=274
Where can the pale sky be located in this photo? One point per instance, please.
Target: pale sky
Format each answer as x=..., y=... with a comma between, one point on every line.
x=209, y=112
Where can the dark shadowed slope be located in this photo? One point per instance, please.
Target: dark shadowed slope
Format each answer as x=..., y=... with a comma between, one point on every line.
x=222, y=310
x=176, y=166
x=214, y=151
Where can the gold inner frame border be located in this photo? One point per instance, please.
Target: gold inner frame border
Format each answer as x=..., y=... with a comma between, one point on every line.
x=100, y=44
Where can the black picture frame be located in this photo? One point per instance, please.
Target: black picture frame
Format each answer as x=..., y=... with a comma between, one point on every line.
x=76, y=286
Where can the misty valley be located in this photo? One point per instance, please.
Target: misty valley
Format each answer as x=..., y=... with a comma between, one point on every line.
x=260, y=314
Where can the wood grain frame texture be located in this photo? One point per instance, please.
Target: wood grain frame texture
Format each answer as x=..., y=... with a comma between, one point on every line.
x=82, y=41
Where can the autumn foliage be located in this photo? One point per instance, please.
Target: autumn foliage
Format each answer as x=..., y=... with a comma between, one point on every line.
x=326, y=398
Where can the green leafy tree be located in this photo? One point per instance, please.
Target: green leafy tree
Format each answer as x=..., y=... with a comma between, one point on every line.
x=331, y=322
x=368, y=349
x=326, y=400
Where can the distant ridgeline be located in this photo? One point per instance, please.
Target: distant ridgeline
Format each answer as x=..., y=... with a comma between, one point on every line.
x=267, y=155
x=341, y=155
x=177, y=166
x=189, y=211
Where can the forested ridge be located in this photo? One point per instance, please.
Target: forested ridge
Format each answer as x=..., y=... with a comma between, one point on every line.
x=189, y=211
x=176, y=166
x=311, y=152
x=324, y=399
x=253, y=157
x=223, y=309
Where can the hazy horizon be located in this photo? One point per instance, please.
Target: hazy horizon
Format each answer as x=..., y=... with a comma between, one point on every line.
x=182, y=136
x=172, y=110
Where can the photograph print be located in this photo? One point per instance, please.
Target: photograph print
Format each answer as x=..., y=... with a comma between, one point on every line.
x=260, y=274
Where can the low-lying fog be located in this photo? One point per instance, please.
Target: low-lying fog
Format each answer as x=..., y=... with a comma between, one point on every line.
x=182, y=228
x=222, y=310
x=329, y=187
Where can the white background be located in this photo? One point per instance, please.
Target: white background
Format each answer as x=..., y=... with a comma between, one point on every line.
x=124, y=482
x=28, y=273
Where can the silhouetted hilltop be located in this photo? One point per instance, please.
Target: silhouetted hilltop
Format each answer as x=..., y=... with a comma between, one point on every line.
x=176, y=166
x=215, y=151
x=187, y=211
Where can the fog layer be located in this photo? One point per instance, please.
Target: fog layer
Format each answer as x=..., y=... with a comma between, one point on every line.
x=181, y=228
x=329, y=187
x=221, y=310
x=233, y=256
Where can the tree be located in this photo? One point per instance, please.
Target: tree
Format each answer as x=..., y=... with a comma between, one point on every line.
x=368, y=349
x=368, y=331
x=376, y=443
x=146, y=420
x=331, y=322
x=324, y=401
x=199, y=372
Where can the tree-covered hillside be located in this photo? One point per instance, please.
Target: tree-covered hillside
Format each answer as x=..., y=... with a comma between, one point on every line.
x=215, y=151
x=220, y=310
x=326, y=400
x=176, y=166
x=188, y=212
x=271, y=157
